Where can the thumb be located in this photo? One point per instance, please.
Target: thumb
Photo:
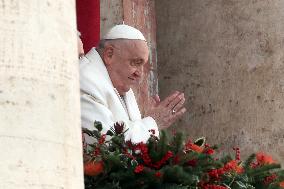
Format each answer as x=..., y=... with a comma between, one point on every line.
x=157, y=99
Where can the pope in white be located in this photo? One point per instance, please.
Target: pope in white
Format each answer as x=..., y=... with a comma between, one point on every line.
x=107, y=74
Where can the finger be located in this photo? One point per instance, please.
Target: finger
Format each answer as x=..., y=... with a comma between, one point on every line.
x=177, y=115
x=179, y=105
x=151, y=101
x=169, y=99
x=176, y=101
x=173, y=118
x=157, y=98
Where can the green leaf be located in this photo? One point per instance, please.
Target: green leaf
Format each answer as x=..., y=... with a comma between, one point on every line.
x=240, y=184
x=109, y=132
x=249, y=161
x=98, y=125
x=200, y=141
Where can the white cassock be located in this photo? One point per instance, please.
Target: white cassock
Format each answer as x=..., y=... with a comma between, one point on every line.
x=100, y=101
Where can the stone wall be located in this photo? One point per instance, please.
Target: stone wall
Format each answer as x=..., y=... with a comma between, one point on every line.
x=227, y=56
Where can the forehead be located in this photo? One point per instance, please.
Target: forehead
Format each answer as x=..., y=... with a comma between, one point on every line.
x=134, y=48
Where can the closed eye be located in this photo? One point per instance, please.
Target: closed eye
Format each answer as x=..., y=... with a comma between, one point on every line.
x=136, y=62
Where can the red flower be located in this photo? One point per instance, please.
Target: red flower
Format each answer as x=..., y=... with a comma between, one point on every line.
x=192, y=162
x=193, y=147
x=97, y=152
x=209, y=151
x=168, y=155
x=158, y=174
x=93, y=168
x=215, y=174
x=263, y=158
x=144, y=153
x=229, y=166
x=139, y=169
x=269, y=179
x=281, y=184
x=102, y=139
x=118, y=127
x=233, y=166
x=176, y=159
x=238, y=156
x=254, y=165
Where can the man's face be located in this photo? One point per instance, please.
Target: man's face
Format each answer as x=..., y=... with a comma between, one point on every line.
x=126, y=64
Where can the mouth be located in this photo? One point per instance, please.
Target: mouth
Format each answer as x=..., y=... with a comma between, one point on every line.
x=132, y=80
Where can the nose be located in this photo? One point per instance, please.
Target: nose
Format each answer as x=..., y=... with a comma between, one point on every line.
x=139, y=72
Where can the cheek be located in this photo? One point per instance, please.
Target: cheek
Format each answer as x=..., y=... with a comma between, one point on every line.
x=123, y=73
x=128, y=70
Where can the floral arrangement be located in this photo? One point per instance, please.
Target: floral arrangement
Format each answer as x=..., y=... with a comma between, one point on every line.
x=171, y=163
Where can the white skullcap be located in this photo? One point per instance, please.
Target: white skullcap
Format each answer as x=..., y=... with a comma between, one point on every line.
x=123, y=31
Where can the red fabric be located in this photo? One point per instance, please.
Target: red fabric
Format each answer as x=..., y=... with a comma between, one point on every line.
x=88, y=22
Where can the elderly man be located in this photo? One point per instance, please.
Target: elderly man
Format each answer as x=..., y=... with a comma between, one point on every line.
x=106, y=77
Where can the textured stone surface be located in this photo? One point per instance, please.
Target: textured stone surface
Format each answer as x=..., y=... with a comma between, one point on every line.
x=40, y=132
x=111, y=14
x=227, y=56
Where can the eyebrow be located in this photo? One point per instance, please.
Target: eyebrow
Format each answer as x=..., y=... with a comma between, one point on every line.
x=137, y=60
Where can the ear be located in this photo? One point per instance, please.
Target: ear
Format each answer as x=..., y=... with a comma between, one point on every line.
x=108, y=54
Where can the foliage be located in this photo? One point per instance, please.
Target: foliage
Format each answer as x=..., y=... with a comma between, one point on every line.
x=171, y=163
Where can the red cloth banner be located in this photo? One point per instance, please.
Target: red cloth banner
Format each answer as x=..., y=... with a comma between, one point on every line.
x=88, y=22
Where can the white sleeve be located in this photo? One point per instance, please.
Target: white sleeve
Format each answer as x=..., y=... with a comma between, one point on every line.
x=93, y=110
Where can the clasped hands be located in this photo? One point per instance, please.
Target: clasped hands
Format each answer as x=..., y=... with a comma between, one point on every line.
x=166, y=112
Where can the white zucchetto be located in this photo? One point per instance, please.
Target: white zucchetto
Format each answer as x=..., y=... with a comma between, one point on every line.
x=124, y=31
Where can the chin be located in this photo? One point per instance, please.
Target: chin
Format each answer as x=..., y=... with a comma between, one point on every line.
x=124, y=90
